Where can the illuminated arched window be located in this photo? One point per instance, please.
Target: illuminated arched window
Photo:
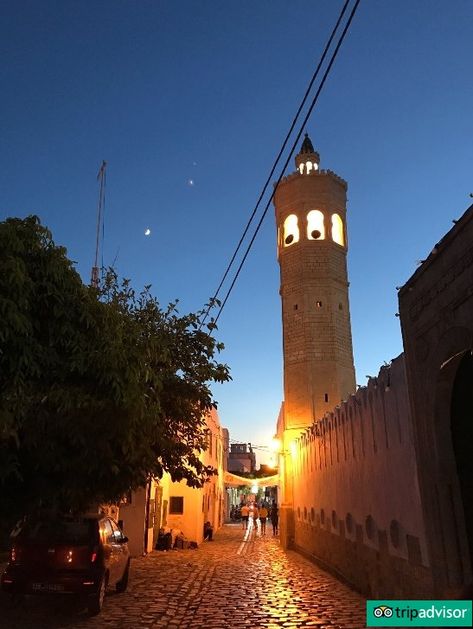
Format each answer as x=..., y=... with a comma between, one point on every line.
x=308, y=167
x=315, y=225
x=291, y=230
x=337, y=230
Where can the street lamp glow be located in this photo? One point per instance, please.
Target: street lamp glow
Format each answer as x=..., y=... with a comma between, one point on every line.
x=275, y=445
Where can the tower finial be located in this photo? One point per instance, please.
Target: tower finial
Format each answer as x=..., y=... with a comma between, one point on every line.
x=307, y=160
x=307, y=146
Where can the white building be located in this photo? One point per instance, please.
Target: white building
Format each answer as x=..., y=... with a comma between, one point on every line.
x=175, y=505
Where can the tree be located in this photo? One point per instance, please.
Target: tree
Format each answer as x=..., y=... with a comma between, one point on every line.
x=99, y=390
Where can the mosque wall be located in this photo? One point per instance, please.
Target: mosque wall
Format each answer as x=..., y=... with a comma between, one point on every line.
x=436, y=311
x=357, y=507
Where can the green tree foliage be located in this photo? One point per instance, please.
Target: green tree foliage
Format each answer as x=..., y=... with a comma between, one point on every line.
x=99, y=390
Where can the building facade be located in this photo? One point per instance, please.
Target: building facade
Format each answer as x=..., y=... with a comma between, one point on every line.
x=175, y=505
x=436, y=309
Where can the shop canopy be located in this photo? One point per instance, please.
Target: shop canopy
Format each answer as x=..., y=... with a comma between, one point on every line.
x=233, y=480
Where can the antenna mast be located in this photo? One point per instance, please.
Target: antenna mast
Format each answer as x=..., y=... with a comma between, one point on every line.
x=101, y=177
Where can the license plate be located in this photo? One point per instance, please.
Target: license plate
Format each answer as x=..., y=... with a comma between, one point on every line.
x=47, y=587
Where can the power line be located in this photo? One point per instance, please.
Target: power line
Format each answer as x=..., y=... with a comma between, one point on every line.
x=276, y=161
x=314, y=101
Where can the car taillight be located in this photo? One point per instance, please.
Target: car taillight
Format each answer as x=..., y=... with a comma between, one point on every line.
x=14, y=554
x=69, y=556
x=93, y=555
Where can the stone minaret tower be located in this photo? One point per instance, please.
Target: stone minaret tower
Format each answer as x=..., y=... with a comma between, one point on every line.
x=310, y=209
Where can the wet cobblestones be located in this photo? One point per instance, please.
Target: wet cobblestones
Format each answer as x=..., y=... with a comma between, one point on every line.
x=225, y=584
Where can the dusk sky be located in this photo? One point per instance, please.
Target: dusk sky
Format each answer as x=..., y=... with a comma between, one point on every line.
x=189, y=102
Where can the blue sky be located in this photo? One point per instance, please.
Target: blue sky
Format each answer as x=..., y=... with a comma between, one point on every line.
x=170, y=92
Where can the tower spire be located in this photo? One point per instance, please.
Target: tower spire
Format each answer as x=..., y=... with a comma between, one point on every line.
x=307, y=160
x=307, y=146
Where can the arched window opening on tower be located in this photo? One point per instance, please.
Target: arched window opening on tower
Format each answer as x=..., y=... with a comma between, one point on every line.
x=291, y=230
x=315, y=225
x=308, y=167
x=337, y=230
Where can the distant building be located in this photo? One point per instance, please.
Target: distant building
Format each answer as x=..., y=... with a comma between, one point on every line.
x=241, y=458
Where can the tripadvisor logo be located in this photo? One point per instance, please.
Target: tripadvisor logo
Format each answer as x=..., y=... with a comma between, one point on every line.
x=383, y=610
x=418, y=614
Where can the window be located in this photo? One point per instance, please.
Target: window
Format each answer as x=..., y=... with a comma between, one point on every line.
x=308, y=167
x=291, y=230
x=337, y=230
x=117, y=534
x=315, y=225
x=106, y=530
x=176, y=505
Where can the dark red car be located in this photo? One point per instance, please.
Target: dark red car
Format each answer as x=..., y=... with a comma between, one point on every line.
x=68, y=555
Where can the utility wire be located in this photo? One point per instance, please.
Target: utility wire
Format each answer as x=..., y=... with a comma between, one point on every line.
x=268, y=180
x=314, y=101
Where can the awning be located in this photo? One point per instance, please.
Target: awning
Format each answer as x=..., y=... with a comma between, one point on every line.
x=234, y=480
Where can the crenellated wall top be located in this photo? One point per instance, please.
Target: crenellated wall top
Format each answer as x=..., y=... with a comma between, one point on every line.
x=358, y=402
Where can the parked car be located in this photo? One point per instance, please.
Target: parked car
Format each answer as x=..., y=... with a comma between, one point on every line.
x=68, y=555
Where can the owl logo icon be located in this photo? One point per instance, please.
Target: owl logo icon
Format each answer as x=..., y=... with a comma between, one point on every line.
x=383, y=610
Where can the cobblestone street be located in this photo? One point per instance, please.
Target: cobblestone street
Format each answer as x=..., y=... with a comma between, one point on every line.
x=228, y=583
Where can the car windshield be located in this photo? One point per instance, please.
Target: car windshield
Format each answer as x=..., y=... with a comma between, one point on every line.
x=70, y=531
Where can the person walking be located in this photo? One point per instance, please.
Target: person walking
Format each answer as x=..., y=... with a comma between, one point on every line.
x=274, y=515
x=263, y=514
x=255, y=515
x=245, y=514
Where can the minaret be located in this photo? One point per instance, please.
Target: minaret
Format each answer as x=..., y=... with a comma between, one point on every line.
x=310, y=207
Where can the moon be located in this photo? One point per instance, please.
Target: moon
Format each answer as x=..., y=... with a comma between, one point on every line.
x=147, y=231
